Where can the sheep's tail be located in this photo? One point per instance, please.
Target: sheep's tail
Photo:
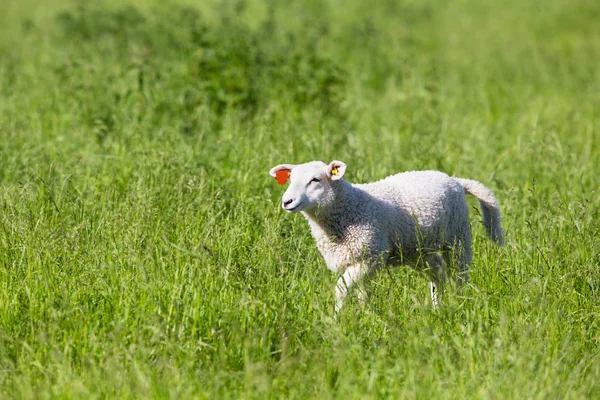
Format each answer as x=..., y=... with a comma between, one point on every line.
x=489, y=207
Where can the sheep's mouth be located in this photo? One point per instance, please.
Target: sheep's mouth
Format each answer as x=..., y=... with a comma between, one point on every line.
x=293, y=208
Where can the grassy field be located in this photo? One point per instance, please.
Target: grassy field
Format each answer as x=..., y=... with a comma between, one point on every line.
x=143, y=250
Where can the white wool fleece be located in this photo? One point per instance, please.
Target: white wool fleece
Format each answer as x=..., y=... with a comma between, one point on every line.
x=405, y=219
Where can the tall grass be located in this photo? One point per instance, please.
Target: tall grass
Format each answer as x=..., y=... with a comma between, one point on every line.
x=143, y=252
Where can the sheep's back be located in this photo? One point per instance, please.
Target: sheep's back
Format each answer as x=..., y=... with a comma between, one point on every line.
x=423, y=200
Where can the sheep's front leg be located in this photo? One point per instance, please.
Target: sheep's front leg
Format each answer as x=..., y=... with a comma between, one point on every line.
x=362, y=292
x=353, y=275
x=437, y=274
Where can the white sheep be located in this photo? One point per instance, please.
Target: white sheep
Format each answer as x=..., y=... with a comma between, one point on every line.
x=417, y=218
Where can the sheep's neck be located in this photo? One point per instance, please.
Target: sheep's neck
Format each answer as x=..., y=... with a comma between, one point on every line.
x=334, y=219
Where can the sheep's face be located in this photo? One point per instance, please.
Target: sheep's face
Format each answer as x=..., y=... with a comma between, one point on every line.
x=310, y=184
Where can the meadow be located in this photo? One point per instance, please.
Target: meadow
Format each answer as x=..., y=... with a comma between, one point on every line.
x=143, y=249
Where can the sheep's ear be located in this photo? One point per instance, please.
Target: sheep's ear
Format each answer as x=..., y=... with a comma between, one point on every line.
x=281, y=172
x=336, y=170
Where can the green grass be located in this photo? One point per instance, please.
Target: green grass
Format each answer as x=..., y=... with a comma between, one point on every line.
x=143, y=251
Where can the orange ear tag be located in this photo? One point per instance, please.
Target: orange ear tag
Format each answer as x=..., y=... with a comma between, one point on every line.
x=282, y=176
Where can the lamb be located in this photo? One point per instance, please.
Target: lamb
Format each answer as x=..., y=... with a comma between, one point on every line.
x=417, y=218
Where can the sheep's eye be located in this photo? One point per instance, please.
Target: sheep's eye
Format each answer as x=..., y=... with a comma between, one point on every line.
x=314, y=180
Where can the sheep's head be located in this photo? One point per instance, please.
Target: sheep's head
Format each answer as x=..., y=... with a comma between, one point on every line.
x=310, y=184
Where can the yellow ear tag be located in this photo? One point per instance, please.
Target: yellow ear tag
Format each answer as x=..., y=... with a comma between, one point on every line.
x=334, y=171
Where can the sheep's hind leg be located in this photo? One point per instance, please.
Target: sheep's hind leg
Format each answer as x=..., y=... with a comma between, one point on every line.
x=459, y=253
x=355, y=274
x=463, y=260
x=437, y=276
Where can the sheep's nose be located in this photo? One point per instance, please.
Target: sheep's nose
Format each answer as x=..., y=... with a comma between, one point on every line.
x=287, y=202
